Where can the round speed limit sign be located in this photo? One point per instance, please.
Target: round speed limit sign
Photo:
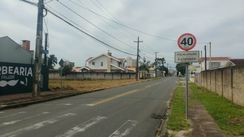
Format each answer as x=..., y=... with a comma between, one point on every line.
x=187, y=41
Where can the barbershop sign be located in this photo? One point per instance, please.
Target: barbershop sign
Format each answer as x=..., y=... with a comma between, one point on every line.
x=15, y=78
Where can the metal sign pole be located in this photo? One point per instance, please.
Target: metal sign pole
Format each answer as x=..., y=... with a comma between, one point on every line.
x=61, y=79
x=186, y=94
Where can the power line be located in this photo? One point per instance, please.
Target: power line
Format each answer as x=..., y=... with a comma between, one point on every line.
x=94, y=25
x=82, y=31
x=121, y=24
x=86, y=33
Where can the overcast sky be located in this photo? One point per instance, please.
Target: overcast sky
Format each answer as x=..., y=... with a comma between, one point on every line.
x=157, y=22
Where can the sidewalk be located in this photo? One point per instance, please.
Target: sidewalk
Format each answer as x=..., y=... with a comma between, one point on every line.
x=203, y=125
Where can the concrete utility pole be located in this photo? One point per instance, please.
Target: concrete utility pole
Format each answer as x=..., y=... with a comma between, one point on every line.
x=38, y=50
x=137, y=58
x=205, y=58
x=156, y=63
x=210, y=65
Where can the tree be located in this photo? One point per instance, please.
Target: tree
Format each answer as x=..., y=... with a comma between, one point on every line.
x=159, y=63
x=181, y=67
x=52, y=61
x=145, y=65
x=66, y=68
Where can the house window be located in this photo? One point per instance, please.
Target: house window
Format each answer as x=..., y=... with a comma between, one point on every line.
x=93, y=63
x=101, y=63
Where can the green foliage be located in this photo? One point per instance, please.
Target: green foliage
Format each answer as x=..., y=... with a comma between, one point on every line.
x=181, y=67
x=67, y=68
x=52, y=61
x=177, y=120
x=145, y=65
x=229, y=117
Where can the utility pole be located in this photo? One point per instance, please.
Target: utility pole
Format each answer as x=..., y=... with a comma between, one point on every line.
x=210, y=65
x=137, y=58
x=156, y=63
x=38, y=50
x=45, y=71
x=205, y=58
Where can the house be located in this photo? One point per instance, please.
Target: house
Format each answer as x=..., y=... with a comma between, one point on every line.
x=16, y=66
x=12, y=52
x=109, y=63
x=237, y=62
x=214, y=63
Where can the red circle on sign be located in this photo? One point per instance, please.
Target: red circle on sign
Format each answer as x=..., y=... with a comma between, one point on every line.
x=189, y=35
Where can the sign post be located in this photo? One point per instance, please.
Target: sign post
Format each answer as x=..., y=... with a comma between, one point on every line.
x=61, y=63
x=186, y=42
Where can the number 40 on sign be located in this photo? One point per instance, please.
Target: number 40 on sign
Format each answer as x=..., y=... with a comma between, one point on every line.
x=187, y=41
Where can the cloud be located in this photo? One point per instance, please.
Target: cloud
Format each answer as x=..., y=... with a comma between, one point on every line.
x=219, y=21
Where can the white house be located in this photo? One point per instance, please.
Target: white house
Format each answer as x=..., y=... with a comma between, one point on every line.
x=214, y=63
x=109, y=63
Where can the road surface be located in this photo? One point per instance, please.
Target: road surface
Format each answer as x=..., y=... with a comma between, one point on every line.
x=119, y=112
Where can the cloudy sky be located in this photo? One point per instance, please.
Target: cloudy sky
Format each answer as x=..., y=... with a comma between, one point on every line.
x=119, y=22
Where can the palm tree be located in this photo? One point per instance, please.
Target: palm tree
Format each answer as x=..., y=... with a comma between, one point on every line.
x=52, y=61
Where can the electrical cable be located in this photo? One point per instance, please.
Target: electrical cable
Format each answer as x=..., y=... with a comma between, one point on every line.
x=94, y=25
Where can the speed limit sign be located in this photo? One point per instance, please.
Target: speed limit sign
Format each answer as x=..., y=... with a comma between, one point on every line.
x=187, y=41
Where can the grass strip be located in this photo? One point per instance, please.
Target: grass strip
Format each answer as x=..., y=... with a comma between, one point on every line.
x=177, y=120
x=228, y=116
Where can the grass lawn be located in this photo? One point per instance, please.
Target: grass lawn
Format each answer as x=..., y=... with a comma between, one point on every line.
x=88, y=85
x=228, y=116
x=177, y=120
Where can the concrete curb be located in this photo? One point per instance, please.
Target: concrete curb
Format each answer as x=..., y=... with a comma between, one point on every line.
x=162, y=131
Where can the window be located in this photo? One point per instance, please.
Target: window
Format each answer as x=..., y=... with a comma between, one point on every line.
x=101, y=63
x=93, y=63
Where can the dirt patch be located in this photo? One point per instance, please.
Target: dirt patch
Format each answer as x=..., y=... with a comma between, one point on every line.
x=87, y=85
x=237, y=121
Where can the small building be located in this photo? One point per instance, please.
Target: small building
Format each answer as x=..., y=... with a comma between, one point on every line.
x=16, y=66
x=12, y=52
x=237, y=63
x=214, y=63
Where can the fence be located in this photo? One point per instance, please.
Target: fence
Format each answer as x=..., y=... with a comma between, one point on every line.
x=93, y=75
x=227, y=82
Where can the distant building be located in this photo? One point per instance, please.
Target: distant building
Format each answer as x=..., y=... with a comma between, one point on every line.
x=12, y=52
x=214, y=63
x=109, y=63
x=237, y=62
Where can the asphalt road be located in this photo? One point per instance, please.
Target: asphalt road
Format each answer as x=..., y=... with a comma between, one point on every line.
x=119, y=112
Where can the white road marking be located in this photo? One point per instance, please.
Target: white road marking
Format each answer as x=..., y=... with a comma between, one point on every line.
x=36, y=125
x=19, y=120
x=10, y=122
x=124, y=129
x=82, y=127
x=67, y=104
x=148, y=86
x=15, y=114
x=90, y=105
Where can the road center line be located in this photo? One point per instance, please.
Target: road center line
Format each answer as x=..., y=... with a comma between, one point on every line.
x=82, y=127
x=113, y=98
x=124, y=129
